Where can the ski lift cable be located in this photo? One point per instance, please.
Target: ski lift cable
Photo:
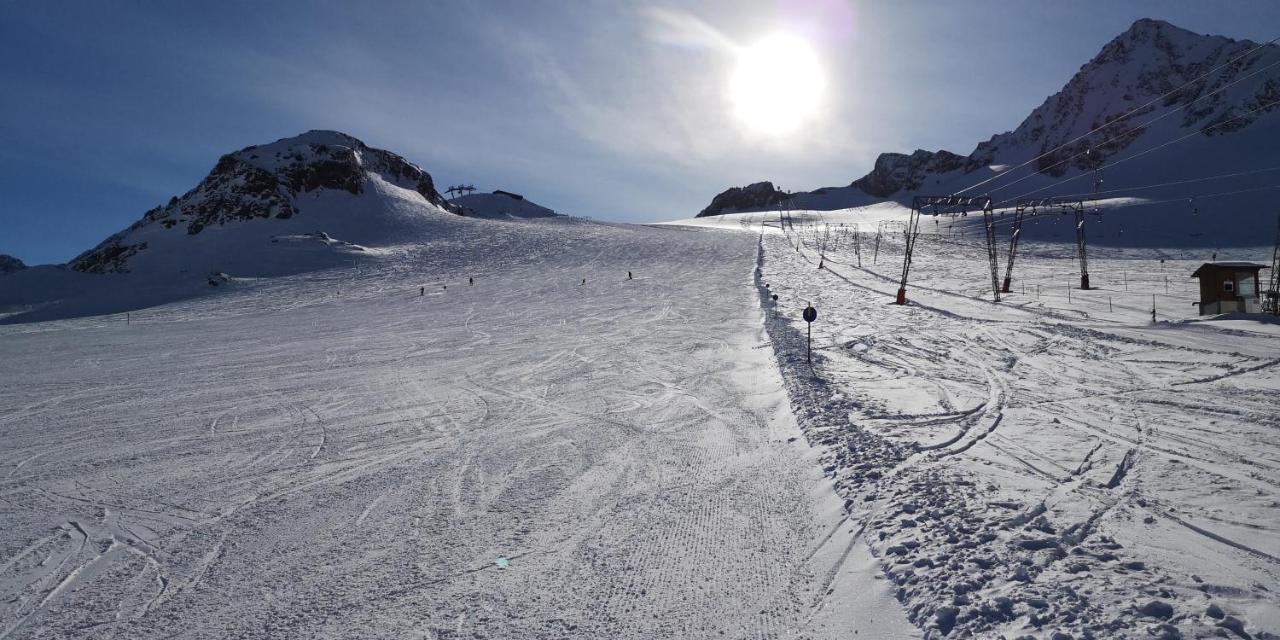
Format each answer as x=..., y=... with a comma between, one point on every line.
x=1143, y=125
x=1002, y=210
x=1203, y=196
x=1143, y=153
x=1223, y=176
x=1126, y=114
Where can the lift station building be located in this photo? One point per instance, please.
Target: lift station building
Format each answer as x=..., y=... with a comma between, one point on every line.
x=1228, y=287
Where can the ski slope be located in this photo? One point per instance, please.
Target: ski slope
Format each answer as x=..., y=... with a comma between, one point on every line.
x=383, y=450
x=1054, y=463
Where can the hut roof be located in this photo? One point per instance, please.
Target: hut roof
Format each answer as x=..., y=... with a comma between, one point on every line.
x=1238, y=266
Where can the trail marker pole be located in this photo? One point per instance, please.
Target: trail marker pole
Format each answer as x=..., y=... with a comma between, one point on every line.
x=810, y=314
x=1153, y=308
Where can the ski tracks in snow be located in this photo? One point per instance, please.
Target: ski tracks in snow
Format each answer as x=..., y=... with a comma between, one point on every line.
x=1083, y=432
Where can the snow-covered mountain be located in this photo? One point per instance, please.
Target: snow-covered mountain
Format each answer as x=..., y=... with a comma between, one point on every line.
x=500, y=205
x=1223, y=123
x=312, y=202
x=312, y=189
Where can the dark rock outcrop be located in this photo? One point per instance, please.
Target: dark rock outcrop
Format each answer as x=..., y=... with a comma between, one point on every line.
x=895, y=172
x=753, y=197
x=9, y=264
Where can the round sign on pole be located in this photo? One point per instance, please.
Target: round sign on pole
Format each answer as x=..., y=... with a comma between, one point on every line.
x=810, y=314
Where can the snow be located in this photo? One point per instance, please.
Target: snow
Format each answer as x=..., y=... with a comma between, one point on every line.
x=328, y=453
x=451, y=426
x=1052, y=463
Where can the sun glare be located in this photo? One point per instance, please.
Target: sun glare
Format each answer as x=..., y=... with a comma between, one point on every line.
x=777, y=85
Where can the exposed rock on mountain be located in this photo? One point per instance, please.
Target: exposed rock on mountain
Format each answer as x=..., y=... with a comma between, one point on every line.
x=895, y=171
x=9, y=264
x=753, y=197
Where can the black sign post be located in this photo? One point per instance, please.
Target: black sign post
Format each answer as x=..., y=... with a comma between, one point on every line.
x=810, y=314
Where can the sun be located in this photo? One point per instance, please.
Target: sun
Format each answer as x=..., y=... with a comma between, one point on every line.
x=777, y=84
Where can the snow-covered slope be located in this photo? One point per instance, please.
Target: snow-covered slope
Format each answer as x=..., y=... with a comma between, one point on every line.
x=1210, y=146
x=333, y=455
x=500, y=205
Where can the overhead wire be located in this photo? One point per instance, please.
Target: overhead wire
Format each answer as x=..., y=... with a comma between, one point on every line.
x=1223, y=176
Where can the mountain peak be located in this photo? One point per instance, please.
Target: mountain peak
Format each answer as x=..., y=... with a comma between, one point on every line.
x=1146, y=27
x=263, y=182
x=324, y=136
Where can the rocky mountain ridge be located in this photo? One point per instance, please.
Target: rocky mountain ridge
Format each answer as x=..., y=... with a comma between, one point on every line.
x=753, y=197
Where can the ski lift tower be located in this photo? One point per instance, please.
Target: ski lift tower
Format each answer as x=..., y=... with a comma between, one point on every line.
x=942, y=205
x=1036, y=206
x=1273, y=291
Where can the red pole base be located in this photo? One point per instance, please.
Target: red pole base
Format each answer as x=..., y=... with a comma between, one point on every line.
x=902, y=295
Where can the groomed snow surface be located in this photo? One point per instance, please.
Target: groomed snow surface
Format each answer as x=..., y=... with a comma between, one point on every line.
x=334, y=455
x=385, y=450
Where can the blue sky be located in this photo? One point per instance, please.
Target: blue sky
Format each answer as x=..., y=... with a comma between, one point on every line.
x=611, y=109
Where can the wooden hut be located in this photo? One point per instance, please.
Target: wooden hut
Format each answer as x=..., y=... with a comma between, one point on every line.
x=1227, y=287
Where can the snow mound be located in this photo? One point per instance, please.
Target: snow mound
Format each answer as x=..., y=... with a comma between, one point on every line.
x=501, y=205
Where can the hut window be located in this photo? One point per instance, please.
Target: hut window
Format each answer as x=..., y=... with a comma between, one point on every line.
x=1247, y=288
x=1229, y=286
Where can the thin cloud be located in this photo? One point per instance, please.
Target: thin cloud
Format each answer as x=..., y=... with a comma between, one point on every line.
x=685, y=30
